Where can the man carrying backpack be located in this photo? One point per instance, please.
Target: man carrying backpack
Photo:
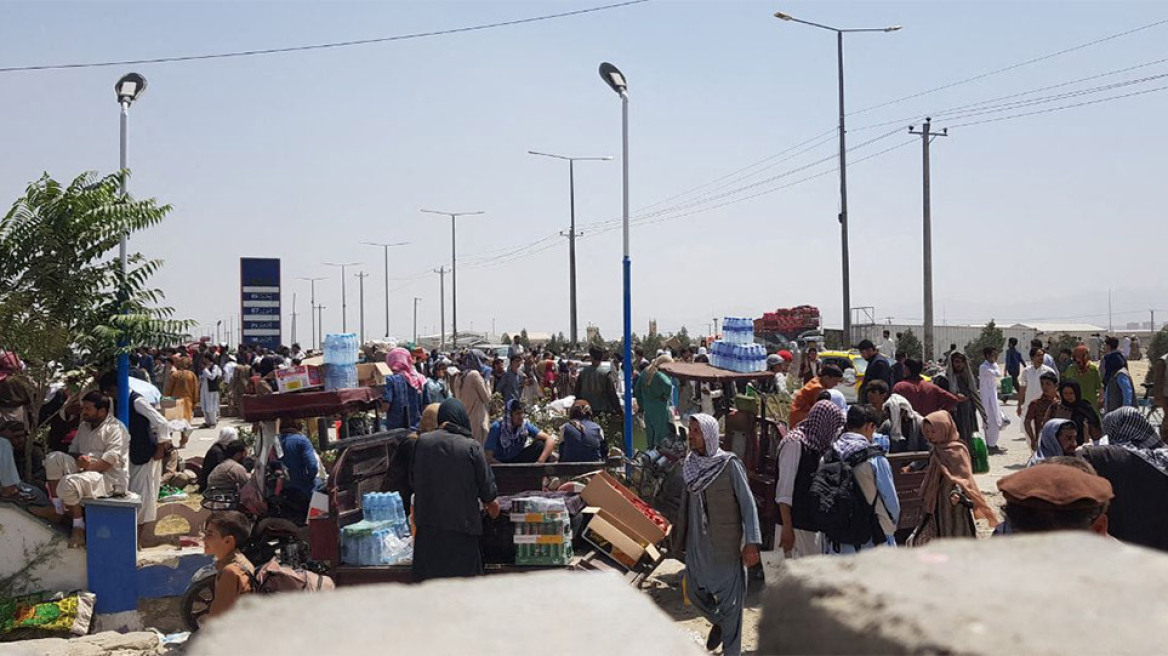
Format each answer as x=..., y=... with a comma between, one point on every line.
x=856, y=503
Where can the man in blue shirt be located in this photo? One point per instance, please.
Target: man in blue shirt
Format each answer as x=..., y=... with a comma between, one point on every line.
x=507, y=439
x=300, y=463
x=1014, y=362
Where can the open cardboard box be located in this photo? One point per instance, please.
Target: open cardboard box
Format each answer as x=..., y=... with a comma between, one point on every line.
x=605, y=492
x=616, y=526
x=297, y=378
x=373, y=374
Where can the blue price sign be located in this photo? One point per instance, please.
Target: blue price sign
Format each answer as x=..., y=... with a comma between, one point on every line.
x=259, y=293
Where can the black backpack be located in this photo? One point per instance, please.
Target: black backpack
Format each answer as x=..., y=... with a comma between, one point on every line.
x=841, y=512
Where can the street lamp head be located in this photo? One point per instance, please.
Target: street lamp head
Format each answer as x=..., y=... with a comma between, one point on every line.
x=782, y=16
x=614, y=78
x=129, y=87
x=893, y=28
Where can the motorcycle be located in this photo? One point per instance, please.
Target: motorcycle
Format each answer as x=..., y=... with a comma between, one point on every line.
x=271, y=537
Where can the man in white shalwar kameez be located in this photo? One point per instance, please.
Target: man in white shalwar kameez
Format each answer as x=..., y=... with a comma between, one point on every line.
x=210, y=378
x=988, y=376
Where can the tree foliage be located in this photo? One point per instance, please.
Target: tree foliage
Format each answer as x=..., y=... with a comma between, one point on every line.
x=683, y=339
x=523, y=339
x=64, y=301
x=1158, y=345
x=990, y=335
x=651, y=344
x=910, y=345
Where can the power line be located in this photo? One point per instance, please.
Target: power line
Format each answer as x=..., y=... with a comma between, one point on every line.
x=1057, y=109
x=318, y=46
x=1005, y=69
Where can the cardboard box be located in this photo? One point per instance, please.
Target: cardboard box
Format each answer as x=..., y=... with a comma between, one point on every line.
x=301, y=377
x=373, y=375
x=602, y=533
x=605, y=492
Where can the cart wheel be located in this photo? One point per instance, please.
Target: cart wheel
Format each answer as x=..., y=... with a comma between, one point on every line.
x=196, y=603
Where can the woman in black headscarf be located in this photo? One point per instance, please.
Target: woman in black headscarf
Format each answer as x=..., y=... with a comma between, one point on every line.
x=1073, y=406
x=452, y=484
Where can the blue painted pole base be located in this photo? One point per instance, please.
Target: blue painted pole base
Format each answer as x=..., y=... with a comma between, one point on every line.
x=111, y=559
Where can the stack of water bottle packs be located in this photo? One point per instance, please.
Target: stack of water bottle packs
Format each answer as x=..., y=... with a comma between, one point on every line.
x=736, y=350
x=382, y=537
x=340, y=359
x=543, y=532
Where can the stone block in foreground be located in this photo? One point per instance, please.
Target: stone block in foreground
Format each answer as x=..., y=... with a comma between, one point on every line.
x=1055, y=593
x=561, y=613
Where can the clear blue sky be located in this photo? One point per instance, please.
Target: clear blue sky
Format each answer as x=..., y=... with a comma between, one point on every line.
x=302, y=156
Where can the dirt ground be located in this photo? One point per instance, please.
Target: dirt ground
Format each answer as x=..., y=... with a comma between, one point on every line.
x=664, y=587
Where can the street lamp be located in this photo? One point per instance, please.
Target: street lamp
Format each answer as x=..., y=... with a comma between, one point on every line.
x=843, y=168
x=386, y=247
x=312, y=308
x=416, y=299
x=128, y=88
x=453, y=272
x=572, y=229
x=616, y=80
x=344, y=296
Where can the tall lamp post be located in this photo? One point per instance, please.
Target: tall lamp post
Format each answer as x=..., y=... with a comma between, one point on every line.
x=416, y=299
x=843, y=167
x=453, y=271
x=616, y=80
x=344, y=296
x=128, y=88
x=312, y=307
x=385, y=248
x=572, y=228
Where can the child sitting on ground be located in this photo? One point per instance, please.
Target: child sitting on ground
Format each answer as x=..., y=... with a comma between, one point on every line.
x=222, y=537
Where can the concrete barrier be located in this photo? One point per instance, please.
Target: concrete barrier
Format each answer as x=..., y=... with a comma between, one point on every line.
x=1055, y=593
x=563, y=613
x=34, y=556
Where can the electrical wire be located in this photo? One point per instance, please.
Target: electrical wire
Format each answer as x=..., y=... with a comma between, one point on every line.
x=1057, y=109
x=1011, y=67
x=318, y=46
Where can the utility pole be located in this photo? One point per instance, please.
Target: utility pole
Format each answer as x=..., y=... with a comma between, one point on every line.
x=927, y=136
x=312, y=305
x=320, y=321
x=344, y=296
x=715, y=335
x=1110, y=325
x=1152, y=325
x=294, y=317
x=441, y=271
x=361, y=275
x=416, y=299
x=453, y=269
x=385, y=248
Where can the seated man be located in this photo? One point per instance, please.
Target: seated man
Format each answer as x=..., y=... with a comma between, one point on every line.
x=101, y=468
x=230, y=474
x=583, y=439
x=17, y=435
x=507, y=439
x=12, y=488
x=1053, y=496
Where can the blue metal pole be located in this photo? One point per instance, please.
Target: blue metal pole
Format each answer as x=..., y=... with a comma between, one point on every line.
x=123, y=408
x=628, y=287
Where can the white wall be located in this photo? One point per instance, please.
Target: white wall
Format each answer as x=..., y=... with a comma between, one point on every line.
x=943, y=336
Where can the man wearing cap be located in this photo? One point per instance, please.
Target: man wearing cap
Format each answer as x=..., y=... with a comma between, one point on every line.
x=1056, y=497
x=437, y=387
x=879, y=368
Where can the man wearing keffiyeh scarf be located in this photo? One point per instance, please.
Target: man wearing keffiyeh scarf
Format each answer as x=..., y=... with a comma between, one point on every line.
x=1135, y=461
x=717, y=533
x=799, y=455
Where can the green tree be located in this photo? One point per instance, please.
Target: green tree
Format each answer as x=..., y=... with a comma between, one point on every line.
x=1063, y=341
x=683, y=339
x=63, y=298
x=554, y=345
x=506, y=339
x=523, y=339
x=910, y=345
x=1157, y=347
x=651, y=344
x=990, y=335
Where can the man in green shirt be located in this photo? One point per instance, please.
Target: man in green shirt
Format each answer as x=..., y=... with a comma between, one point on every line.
x=1086, y=374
